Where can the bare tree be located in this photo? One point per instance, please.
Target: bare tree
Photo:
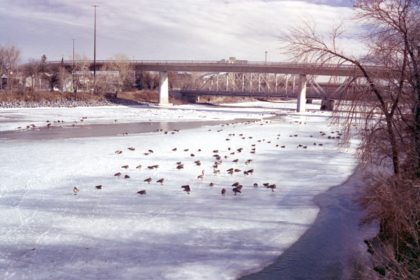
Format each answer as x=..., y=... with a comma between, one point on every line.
x=391, y=94
x=31, y=69
x=9, y=58
x=386, y=108
x=126, y=70
x=83, y=77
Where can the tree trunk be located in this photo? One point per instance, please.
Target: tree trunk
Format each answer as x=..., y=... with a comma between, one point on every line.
x=394, y=148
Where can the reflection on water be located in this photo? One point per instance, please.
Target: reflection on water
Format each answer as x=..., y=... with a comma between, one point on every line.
x=327, y=249
x=100, y=130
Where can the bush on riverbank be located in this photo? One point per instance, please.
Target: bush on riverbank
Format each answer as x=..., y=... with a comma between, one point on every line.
x=394, y=202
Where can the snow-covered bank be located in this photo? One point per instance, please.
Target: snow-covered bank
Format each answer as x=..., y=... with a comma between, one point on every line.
x=47, y=232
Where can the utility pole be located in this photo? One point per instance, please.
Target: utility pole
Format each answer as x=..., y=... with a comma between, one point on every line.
x=72, y=70
x=94, y=49
x=265, y=74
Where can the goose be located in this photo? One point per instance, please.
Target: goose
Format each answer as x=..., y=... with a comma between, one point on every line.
x=237, y=189
x=126, y=177
x=131, y=148
x=142, y=192
x=118, y=152
x=138, y=166
x=247, y=172
x=235, y=184
x=76, y=190
x=223, y=191
x=201, y=176
x=148, y=180
x=124, y=166
x=117, y=174
x=174, y=149
x=160, y=181
x=211, y=184
x=186, y=188
x=255, y=185
x=235, y=160
x=98, y=187
x=272, y=187
x=180, y=166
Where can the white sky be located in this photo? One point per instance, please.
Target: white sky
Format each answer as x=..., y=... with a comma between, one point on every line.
x=164, y=29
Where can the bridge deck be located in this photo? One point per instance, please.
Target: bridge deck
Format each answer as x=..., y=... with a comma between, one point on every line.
x=242, y=67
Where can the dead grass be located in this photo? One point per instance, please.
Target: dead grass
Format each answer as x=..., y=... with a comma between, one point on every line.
x=46, y=96
x=395, y=203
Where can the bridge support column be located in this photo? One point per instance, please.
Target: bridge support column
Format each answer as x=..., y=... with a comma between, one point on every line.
x=301, y=101
x=163, y=89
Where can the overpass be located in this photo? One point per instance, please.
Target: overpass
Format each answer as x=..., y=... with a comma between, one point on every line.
x=300, y=69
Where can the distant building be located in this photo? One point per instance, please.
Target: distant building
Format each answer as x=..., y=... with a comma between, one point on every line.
x=3, y=81
x=233, y=60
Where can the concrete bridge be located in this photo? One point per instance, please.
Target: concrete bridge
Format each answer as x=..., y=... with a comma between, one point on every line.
x=302, y=70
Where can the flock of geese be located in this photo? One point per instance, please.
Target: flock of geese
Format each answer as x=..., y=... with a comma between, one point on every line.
x=221, y=162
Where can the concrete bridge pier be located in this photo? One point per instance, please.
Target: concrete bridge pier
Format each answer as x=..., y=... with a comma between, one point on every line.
x=163, y=89
x=301, y=101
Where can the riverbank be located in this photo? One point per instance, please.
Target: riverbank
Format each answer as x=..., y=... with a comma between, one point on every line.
x=334, y=242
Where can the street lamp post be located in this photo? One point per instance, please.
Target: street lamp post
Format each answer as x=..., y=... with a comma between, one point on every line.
x=72, y=70
x=94, y=50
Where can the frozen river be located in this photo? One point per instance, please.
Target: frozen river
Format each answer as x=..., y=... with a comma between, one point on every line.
x=111, y=232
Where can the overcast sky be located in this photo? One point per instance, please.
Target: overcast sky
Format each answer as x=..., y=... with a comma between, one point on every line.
x=163, y=29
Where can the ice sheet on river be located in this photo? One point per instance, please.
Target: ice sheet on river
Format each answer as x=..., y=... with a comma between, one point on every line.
x=47, y=232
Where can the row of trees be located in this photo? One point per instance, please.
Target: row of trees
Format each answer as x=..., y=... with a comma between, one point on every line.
x=389, y=125
x=39, y=75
